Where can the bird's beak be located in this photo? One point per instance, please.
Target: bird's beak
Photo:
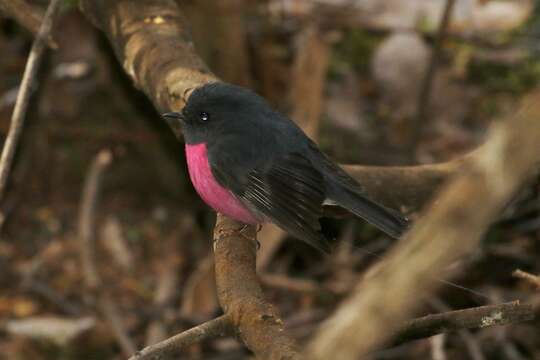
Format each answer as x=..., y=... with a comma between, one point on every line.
x=173, y=117
x=175, y=120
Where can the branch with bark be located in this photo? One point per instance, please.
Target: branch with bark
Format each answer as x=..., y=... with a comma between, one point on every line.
x=451, y=227
x=151, y=41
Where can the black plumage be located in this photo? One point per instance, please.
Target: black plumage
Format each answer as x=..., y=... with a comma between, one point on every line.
x=268, y=163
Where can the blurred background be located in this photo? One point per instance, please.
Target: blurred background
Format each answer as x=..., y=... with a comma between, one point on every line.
x=372, y=81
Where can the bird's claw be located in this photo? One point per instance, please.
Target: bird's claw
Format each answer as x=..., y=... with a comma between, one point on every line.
x=223, y=233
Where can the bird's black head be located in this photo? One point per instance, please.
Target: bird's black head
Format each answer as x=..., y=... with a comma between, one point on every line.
x=217, y=109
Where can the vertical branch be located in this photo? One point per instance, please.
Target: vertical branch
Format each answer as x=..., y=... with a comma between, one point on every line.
x=424, y=98
x=219, y=22
x=87, y=219
x=86, y=242
x=240, y=294
x=309, y=75
x=25, y=90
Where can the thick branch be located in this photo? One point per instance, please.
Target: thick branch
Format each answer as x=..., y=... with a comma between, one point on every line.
x=240, y=293
x=152, y=42
x=407, y=188
x=451, y=228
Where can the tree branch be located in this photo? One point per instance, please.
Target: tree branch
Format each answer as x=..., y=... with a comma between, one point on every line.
x=151, y=42
x=25, y=90
x=452, y=227
x=424, y=98
x=165, y=349
x=27, y=16
x=86, y=237
x=241, y=296
x=473, y=318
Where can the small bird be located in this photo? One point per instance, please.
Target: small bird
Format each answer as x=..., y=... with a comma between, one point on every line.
x=255, y=165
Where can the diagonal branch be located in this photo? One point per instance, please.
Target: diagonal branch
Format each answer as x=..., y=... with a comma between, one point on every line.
x=166, y=349
x=152, y=44
x=25, y=90
x=451, y=228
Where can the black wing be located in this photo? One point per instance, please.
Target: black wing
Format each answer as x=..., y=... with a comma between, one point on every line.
x=346, y=192
x=289, y=192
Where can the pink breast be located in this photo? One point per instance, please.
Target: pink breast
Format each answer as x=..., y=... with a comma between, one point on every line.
x=219, y=198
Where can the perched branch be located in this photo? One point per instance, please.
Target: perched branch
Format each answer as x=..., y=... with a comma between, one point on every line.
x=473, y=318
x=407, y=188
x=166, y=349
x=25, y=90
x=451, y=228
x=151, y=42
x=240, y=293
x=86, y=242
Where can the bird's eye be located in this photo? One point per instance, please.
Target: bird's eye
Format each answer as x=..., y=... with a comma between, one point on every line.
x=204, y=116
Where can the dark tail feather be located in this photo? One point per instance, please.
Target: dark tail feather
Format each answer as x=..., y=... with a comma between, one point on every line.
x=387, y=220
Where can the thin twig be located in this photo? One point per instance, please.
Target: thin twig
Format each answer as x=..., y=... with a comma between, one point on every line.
x=472, y=318
x=533, y=279
x=87, y=240
x=23, y=98
x=87, y=212
x=424, y=98
x=166, y=349
x=471, y=343
x=166, y=288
